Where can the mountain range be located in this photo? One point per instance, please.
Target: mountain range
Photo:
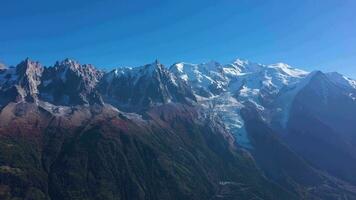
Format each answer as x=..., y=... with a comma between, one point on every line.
x=241, y=130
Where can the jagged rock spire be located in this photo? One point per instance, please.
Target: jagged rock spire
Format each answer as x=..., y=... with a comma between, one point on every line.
x=29, y=73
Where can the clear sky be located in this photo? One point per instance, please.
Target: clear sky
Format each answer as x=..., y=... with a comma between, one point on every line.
x=314, y=34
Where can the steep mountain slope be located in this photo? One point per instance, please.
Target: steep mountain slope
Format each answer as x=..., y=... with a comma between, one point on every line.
x=20, y=83
x=194, y=131
x=322, y=119
x=341, y=80
x=104, y=154
x=288, y=168
x=275, y=131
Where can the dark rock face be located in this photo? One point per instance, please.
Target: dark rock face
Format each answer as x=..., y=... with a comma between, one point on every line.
x=322, y=127
x=29, y=73
x=282, y=164
x=20, y=83
x=69, y=83
x=66, y=83
x=142, y=87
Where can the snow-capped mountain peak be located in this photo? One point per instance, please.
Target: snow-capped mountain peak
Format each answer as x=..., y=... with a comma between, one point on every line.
x=281, y=65
x=148, y=69
x=288, y=70
x=240, y=62
x=220, y=86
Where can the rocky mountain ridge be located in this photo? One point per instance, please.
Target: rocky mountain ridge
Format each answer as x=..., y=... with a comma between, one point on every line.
x=191, y=131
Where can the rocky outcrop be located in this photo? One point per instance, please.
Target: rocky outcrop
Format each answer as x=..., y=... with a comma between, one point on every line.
x=70, y=83
x=134, y=89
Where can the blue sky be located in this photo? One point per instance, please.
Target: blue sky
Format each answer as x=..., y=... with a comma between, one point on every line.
x=314, y=34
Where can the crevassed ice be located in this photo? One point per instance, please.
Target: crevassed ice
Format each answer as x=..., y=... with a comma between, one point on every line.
x=240, y=81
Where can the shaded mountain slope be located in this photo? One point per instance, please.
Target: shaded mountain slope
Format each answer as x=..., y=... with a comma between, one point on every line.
x=107, y=155
x=322, y=127
x=288, y=168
